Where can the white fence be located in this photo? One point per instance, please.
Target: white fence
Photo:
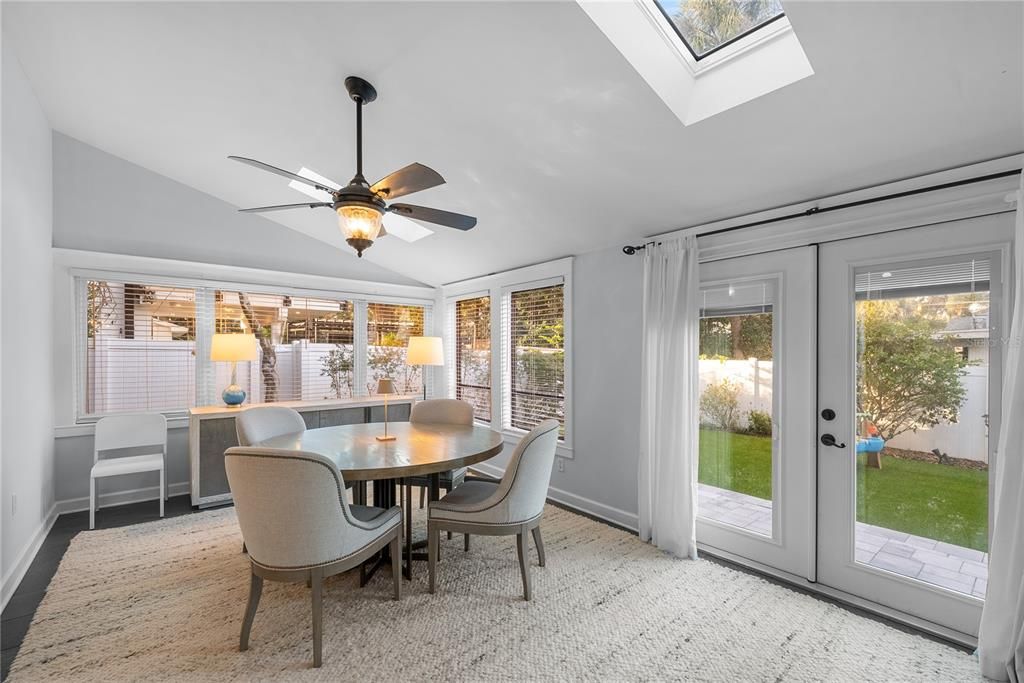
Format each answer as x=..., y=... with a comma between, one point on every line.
x=137, y=374
x=967, y=438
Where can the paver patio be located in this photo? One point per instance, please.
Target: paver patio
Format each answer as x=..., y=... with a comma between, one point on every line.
x=936, y=562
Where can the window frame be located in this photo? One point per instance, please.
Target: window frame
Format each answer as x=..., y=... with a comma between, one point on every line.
x=206, y=287
x=721, y=46
x=498, y=286
x=450, y=335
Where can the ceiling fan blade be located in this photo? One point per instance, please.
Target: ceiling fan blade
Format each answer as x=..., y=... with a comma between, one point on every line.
x=282, y=172
x=279, y=207
x=446, y=218
x=412, y=178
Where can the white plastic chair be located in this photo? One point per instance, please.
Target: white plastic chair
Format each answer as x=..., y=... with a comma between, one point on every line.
x=128, y=431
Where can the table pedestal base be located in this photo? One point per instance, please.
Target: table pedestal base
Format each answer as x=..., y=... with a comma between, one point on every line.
x=384, y=497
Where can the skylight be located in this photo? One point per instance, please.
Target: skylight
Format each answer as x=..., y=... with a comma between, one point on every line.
x=706, y=26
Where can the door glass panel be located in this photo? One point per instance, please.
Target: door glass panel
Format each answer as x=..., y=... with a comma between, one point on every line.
x=737, y=330
x=922, y=421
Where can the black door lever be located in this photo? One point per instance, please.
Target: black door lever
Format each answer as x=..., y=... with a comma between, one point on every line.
x=829, y=440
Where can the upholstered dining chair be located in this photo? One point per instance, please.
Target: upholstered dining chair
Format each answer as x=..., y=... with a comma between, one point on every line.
x=438, y=411
x=300, y=527
x=513, y=505
x=265, y=422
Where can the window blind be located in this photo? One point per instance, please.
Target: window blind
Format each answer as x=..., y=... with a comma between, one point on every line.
x=472, y=354
x=953, y=277
x=137, y=343
x=388, y=328
x=534, y=359
x=306, y=345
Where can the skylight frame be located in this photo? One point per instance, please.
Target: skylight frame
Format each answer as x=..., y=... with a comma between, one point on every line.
x=732, y=41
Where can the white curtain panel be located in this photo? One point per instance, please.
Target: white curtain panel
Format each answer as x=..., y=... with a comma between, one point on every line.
x=1001, y=639
x=670, y=397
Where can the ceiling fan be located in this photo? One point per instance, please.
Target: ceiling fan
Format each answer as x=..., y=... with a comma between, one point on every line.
x=361, y=206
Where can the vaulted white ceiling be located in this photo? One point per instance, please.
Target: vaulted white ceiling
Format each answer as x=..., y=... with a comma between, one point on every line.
x=539, y=125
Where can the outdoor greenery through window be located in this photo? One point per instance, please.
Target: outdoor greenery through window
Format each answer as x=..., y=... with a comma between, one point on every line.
x=305, y=345
x=388, y=328
x=922, y=337
x=139, y=351
x=473, y=354
x=705, y=25
x=145, y=346
x=537, y=357
x=737, y=373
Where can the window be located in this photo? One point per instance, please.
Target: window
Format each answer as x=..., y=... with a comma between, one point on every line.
x=388, y=328
x=143, y=345
x=706, y=26
x=473, y=354
x=536, y=357
x=138, y=345
x=306, y=345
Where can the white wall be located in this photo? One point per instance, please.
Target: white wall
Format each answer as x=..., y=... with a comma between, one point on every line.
x=110, y=205
x=26, y=324
x=606, y=319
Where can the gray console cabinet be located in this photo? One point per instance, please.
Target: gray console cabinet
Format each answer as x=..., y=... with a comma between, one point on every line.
x=211, y=431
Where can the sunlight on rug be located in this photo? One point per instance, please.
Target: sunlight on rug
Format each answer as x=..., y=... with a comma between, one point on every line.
x=164, y=601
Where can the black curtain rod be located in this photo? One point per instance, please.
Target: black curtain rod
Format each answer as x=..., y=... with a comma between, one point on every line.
x=630, y=250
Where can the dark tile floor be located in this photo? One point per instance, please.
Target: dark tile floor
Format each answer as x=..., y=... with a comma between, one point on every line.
x=17, y=615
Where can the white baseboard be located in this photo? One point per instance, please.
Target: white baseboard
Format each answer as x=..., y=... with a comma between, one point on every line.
x=16, y=573
x=114, y=498
x=629, y=520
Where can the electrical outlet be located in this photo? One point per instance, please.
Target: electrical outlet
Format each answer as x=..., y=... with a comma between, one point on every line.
x=561, y=464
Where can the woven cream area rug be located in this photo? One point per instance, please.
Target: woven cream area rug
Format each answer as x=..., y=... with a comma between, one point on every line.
x=164, y=601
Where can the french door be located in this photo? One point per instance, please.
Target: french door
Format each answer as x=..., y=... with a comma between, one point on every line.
x=908, y=389
x=756, y=470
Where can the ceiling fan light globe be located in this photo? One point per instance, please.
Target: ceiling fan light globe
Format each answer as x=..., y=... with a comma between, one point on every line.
x=359, y=222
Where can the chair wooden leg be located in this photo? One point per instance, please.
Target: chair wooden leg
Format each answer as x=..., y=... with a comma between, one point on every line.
x=423, y=495
x=92, y=503
x=539, y=542
x=524, y=565
x=396, y=564
x=432, y=541
x=255, y=590
x=466, y=542
x=408, y=532
x=317, y=579
x=244, y=549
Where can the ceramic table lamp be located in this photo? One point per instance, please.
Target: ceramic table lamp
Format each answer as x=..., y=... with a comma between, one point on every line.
x=424, y=351
x=385, y=386
x=233, y=348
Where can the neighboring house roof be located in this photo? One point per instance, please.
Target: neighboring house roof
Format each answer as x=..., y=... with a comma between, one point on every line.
x=966, y=327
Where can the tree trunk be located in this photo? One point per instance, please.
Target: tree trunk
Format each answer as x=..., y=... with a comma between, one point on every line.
x=735, y=328
x=269, y=363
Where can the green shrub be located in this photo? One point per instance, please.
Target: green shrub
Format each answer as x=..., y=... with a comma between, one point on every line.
x=759, y=423
x=719, y=406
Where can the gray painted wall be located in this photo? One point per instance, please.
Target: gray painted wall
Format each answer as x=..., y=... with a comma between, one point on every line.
x=104, y=203
x=602, y=476
x=73, y=460
x=26, y=319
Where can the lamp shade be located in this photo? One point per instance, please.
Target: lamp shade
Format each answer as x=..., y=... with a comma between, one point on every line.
x=233, y=347
x=425, y=351
x=386, y=385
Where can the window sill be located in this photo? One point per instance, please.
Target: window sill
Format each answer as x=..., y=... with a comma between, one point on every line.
x=89, y=428
x=513, y=436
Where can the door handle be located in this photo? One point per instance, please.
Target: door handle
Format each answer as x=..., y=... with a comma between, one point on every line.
x=829, y=440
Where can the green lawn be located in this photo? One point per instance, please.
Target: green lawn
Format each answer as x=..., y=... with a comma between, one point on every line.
x=926, y=499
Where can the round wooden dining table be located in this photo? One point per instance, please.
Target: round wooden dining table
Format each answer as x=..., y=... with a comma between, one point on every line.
x=418, y=449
